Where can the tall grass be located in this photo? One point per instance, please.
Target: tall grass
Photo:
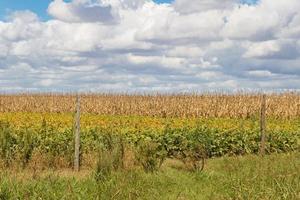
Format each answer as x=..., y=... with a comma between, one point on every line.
x=251, y=177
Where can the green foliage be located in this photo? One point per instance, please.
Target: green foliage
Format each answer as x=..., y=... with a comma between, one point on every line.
x=150, y=153
x=104, y=166
x=5, y=192
x=110, y=156
x=114, y=144
x=8, y=143
x=55, y=143
x=152, y=147
x=26, y=143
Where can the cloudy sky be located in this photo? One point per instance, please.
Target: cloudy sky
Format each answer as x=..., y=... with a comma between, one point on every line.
x=145, y=45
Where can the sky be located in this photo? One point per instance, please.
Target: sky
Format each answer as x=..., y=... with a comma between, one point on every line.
x=149, y=46
x=40, y=6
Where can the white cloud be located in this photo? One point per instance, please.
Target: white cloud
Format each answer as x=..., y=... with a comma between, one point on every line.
x=21, y=26
x=138, y=45
x=82, y=11
x=186, y=52
x=262, y=21
x=262, y=49
x=46, y=82
x=187, y=7
x=260, y=73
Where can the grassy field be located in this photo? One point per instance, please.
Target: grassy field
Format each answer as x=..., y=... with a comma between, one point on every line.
x=249, y=177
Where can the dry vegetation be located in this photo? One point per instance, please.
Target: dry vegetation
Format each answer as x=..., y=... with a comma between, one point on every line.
x=242, y=105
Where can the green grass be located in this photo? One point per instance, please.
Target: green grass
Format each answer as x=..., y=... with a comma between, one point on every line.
x=251, y=177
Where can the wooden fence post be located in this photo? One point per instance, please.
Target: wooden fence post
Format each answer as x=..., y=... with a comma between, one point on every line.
x=77, y=135
x=263, y=125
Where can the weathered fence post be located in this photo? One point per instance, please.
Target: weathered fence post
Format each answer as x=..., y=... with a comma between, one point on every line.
x=263, y=125
x=77, y=135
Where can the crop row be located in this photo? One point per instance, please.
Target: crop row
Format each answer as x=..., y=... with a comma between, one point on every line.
x=240, y=105
x=62, y=121
x=54, y=146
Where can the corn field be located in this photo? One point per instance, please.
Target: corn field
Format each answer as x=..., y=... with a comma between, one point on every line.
x=242, y=105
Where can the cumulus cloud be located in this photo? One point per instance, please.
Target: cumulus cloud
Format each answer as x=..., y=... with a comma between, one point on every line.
x=138, y=45
x=186, y=7
x=82, y=11
x=262, y=49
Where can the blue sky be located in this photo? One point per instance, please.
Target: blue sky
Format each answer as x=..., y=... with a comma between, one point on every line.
x=40, y=6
